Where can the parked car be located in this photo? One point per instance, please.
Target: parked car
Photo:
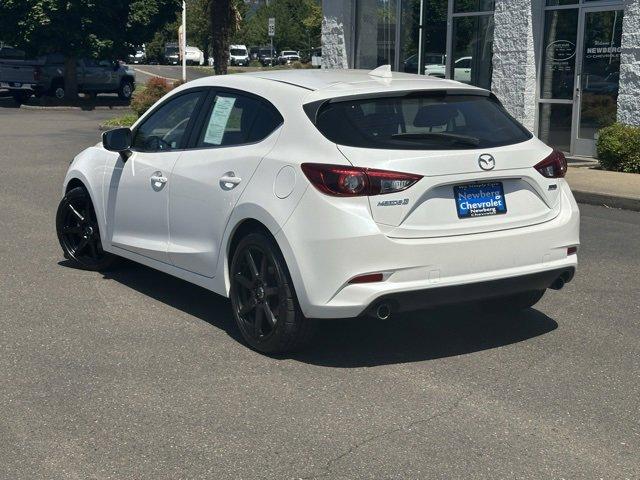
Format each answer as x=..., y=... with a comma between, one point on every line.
x=45, y=76
x=288, y=56
x=137, y=58
x=171, y=54
x=327, y=202
x=266, y=57
x=238, y=56
x=194, y=56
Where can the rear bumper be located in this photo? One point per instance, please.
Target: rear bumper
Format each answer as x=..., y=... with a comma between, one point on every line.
x=327, y=242
x=471, y=292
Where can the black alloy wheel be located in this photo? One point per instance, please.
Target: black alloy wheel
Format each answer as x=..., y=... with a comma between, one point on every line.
x=262, y=297
x=78, y=232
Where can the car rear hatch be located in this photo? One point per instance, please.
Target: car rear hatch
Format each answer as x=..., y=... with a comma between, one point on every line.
x=429, y=208
x=476, y=161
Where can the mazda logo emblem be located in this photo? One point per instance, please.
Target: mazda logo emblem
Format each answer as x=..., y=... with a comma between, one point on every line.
x=486, y=162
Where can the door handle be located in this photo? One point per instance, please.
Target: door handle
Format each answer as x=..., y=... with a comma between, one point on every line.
x=229, y=181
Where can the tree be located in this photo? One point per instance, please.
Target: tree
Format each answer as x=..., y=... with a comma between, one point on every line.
x=225, y=21
x=298, y=25
x=79, y=28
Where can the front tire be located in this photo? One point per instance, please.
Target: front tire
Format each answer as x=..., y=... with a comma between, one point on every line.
x=78, y=233
x=263, y=299
x=21, y=97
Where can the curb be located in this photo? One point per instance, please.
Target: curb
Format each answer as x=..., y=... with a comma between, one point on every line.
x=604, y=200
x=74, y=108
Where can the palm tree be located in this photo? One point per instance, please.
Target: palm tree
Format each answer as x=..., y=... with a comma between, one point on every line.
x=224, y=22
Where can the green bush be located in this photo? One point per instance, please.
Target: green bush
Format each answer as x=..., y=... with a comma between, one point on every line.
x=143, y=99
x=619, y=148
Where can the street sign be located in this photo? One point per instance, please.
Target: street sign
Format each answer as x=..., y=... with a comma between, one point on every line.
x=272, y=26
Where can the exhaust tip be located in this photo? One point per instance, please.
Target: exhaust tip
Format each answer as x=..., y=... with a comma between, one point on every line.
x=383, y=312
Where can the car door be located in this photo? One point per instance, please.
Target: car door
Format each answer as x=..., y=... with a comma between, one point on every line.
x=89, y=75
x=236, y=132
x=138, y=189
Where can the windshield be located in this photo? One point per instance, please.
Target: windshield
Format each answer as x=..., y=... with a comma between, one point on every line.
x=171, y=50
x=420, y=121
x=238, y=52
x=287, y=52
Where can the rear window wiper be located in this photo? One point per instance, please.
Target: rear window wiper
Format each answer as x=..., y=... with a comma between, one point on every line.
x=454, y=137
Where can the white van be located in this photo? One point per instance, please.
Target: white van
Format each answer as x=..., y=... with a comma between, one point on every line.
x=238, y=55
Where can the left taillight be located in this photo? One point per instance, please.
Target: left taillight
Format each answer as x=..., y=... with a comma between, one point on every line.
x=347, y=181
x=554, y=166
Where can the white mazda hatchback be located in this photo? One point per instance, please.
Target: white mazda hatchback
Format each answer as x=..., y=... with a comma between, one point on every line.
x=327, y=194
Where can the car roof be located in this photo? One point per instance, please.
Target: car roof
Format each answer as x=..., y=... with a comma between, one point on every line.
x=319, y=84
x=341, y=82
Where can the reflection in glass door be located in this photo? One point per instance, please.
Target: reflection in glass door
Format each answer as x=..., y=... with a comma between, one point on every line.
x=558, y=77
x=599, y=75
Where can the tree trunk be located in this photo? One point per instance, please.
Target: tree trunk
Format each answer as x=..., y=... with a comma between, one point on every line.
x=70, y=78
x=221, y=26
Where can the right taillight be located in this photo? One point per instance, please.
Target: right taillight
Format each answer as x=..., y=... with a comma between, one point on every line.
x=37, y=74
x=348, y=181
x=554, y=166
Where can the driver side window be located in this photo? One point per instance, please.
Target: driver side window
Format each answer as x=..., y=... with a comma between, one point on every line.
x=165, y=128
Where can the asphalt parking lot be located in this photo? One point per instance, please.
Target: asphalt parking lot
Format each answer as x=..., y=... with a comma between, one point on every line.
x=135, y=374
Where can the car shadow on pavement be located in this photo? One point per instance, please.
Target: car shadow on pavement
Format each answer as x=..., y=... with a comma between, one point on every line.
x=355, y=342
x=419, y=336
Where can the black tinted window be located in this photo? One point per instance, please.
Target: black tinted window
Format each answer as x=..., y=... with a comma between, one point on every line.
x=166, y=127
x=235, y=120
x=420, y=121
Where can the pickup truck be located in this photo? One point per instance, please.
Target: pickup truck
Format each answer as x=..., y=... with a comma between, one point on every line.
x=45, y=76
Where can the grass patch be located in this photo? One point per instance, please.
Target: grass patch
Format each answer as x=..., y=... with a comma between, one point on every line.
x=125, y=120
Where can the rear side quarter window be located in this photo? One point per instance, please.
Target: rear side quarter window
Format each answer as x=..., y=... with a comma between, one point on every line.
x=235, y=119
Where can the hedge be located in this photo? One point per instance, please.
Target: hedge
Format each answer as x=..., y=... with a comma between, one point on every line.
x=619, y=148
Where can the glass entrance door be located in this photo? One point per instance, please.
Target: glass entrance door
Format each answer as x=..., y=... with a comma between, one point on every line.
x=579, y=76
x=598, y=76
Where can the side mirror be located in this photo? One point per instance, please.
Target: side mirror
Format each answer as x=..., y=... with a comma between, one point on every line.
x=117, y=140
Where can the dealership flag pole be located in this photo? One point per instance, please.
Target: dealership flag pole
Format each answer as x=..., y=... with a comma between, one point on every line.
x=183, y=41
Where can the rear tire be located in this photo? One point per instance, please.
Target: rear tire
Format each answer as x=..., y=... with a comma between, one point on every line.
x=513, y=303
x=263, y=299
x=78, y=233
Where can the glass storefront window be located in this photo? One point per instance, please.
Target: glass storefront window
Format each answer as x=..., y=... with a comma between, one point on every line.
x=600, y=71
x=434, y=38
x=555, y=125
x=473, y=50
x=409, y=36
x=559, y=56
x=460, y=6
x=376, y=19
x=555, y=3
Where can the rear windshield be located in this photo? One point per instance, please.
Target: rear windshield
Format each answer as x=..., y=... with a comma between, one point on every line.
x=420, y=121
x=238, y=52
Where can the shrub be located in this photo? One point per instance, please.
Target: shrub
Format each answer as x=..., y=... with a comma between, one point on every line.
x=143, y=99
x=619, y=148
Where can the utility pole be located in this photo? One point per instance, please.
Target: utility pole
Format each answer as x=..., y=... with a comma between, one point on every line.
x=183, y=46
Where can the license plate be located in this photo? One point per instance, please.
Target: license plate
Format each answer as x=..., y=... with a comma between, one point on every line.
x=479, y=199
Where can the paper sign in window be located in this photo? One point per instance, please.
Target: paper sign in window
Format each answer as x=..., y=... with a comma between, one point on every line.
x=218, y=120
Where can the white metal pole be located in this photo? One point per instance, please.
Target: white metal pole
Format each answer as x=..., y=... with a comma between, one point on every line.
x=184, y=41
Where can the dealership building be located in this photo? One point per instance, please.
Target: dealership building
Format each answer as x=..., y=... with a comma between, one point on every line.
x=564, y=68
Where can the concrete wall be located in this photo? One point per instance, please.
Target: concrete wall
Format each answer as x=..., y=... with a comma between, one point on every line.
x=629, y=97
x=515, y=53
x=337, y=33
